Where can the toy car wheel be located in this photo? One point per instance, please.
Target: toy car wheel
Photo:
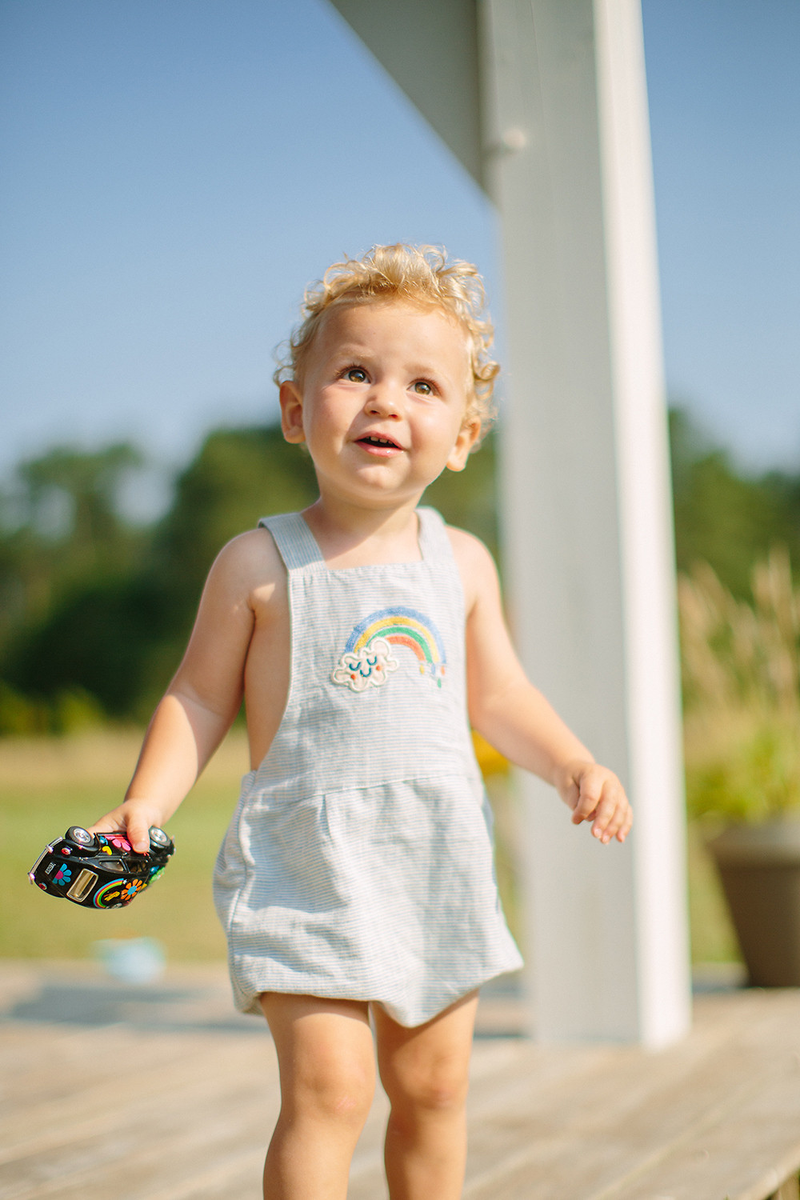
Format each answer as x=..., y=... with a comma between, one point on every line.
x=80, y=837
x=159, y=838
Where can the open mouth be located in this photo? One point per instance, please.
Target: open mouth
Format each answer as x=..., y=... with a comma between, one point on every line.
x=379, y=443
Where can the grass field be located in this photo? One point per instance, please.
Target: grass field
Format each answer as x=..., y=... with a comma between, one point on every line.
x=48, y=784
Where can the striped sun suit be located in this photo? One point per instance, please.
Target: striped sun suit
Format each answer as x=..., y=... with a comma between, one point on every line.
x=358, y=863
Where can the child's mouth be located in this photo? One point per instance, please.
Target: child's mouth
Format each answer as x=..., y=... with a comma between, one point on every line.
x=379, y=445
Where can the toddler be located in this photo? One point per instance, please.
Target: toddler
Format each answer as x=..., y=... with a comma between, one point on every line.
x=355, y=882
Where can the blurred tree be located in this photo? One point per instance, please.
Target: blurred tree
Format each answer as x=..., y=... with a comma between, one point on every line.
x=95, y=641
x=63, y=527
x=90, y=482
x=784, y=490
x=65, y=562
x=722, y=517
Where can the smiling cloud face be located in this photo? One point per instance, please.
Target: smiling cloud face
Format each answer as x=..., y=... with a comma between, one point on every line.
x=368, y=667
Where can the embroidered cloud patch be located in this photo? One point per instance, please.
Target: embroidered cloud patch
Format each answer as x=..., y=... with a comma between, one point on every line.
x=368, y=667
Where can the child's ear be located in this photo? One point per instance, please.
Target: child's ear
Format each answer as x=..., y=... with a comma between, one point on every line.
x=291, y=412
x=468, y=435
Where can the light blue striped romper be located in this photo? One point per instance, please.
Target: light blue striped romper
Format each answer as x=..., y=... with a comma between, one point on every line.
x=358, y=863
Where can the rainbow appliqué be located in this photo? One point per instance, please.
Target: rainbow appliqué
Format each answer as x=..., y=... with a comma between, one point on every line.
x=368, y=659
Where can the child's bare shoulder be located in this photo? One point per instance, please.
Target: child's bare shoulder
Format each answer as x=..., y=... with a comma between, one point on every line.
x=249, y=565
x=475, y=564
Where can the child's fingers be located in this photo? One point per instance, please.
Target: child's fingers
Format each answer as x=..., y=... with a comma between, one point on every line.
x=595, y=794
x=139, y=834
x=590, y=786
x=603, y=801
x=133, y=823
x=608, y=818
x=618, y=824
x=625, y=820
x=625, y=828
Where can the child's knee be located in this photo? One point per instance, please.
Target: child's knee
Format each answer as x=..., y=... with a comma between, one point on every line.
x=331, y=1091
x=427, y=1089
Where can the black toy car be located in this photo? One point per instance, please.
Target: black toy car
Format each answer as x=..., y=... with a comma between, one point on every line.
x=99, y=870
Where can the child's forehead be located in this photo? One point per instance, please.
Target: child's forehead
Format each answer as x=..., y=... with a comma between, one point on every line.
x=359, y=319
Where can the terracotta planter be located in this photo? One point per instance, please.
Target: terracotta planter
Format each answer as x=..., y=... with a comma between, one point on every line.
x=760, y=870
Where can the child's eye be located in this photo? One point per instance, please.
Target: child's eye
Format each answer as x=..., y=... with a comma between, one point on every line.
x=423, y=388
x=355, y=375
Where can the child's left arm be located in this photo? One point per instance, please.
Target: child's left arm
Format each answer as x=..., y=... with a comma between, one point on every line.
x=515, y=717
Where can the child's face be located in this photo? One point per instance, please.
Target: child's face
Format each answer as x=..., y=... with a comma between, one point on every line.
x=383, y=399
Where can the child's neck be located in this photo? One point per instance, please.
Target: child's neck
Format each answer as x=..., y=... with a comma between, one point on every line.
x=351, y=536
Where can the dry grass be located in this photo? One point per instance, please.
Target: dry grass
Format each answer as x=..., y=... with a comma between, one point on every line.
x=101, y=758
x=741, y=672
x=741, y=678
x=737, y=655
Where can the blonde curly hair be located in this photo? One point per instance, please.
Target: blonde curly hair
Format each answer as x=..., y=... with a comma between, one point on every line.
x=420, y=275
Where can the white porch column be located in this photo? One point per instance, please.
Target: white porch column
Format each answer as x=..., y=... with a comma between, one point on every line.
x=586, y=503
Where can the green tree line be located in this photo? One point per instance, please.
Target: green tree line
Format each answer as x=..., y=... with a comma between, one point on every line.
x=95, y=610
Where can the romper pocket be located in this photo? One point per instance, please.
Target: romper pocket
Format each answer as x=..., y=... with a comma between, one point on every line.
x=292, y=861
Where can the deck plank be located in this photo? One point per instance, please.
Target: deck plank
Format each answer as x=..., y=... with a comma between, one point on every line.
x=212, y=1100
x=631, y=1116
x=746, y=1156
x=162, y=1095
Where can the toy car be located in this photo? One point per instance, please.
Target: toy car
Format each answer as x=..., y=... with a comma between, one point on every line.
x=100, y=870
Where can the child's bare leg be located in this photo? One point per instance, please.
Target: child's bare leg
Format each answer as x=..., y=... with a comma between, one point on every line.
x=425, y=1072
x=327, y=1068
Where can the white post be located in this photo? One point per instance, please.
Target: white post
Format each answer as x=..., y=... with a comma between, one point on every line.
x=586, y=498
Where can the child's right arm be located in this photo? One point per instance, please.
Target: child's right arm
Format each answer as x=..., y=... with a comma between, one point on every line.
x=516, y=718
x=205, y=695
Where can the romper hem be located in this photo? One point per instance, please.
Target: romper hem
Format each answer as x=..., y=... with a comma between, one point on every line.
x=247, y=1002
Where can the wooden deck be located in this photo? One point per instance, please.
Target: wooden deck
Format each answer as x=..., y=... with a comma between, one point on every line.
x=163, y=1093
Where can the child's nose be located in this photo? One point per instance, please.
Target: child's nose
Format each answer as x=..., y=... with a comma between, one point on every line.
x=383, y=400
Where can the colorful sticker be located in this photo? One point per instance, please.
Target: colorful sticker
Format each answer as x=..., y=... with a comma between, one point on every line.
x=130, y=889
x=120, y=842
x=109, y=895
x=367, y=660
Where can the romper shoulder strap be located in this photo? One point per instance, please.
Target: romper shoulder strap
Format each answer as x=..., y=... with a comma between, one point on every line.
x=433, y=540
x=295, y=541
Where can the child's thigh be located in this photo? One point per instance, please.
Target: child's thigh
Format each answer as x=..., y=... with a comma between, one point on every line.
x=324, y=1046
x=428, y=1064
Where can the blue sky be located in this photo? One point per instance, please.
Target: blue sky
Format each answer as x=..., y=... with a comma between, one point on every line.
x=177, y=170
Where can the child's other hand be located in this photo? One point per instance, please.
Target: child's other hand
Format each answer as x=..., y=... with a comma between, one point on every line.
x=595, y=794
x=133, y=818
